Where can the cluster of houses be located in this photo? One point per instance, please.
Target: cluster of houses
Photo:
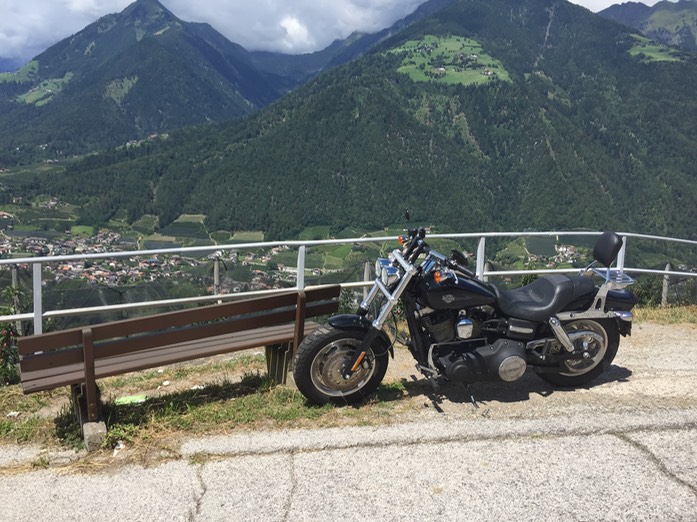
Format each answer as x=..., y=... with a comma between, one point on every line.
x=123, y=272
x=263, y=273
x=104, y=241
x=564, y=254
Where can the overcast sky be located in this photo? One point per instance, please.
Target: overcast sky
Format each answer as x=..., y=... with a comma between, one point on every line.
x=28, y=27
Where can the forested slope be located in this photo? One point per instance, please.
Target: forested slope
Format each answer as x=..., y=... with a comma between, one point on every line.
x=574, y=130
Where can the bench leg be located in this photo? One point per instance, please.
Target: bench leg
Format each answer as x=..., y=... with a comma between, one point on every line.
x=278, y=359
x=93, y=431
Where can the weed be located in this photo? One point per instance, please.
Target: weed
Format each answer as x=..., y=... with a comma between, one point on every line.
x=67, y=429
x=120, y=433
x=9, y=356
x=40, y=463
x=668, y=314
x=199, y=458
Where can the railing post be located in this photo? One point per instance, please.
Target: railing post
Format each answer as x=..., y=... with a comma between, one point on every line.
x=15, y=298
x=621, y=254
x=666, y=286
x=217, y=288
x=481, y=258
x=487, y=268
x=216, y=275
x=366, y=277
x=301, y=267
x=36, y=290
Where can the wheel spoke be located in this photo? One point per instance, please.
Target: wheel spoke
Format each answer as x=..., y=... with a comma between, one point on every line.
x=328, y=367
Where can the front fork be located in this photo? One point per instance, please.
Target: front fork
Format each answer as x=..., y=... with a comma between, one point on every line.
x=391, y=300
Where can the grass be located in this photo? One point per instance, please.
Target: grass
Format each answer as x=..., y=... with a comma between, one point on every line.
x=649, y=51
x=454, y=60
x=667, y=315
x=25, y=74
x=146, y=224
x=248, y=236
x=82, y=230
x=44, y=92
x=228, y=395
x=219, y=396
x=314, y=233
x=118, y=89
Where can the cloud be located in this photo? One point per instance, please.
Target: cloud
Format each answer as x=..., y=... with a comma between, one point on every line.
x=599, y=5
x=28, y=27
x=293, y=26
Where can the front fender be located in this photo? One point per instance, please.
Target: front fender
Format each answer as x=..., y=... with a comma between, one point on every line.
x=360, y=323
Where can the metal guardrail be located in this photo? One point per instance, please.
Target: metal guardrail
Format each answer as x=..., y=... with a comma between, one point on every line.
x=482, y=271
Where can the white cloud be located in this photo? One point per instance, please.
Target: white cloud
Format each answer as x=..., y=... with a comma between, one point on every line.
x=298, y=35
x=599, y=5
x=27, y=27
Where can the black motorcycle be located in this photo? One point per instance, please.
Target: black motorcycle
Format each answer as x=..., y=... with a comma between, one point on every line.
x=465, y=330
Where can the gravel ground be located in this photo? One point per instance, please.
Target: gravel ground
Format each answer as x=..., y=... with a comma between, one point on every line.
x=655, y=368
x=621, y=449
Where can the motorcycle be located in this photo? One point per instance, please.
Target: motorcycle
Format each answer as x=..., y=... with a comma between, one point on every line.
x=460, y=329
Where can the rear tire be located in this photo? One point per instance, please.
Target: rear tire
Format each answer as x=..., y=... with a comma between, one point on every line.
x=322, y=357
x=577, y=372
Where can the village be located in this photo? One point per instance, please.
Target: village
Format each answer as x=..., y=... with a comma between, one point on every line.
x=248, y=271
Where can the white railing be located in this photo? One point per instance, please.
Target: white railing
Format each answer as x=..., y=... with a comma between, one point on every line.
x=482, y=270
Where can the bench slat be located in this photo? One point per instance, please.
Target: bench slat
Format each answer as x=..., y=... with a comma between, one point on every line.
x=82, y=355
x=57, y=358
x=73, y=336
x=47, y=379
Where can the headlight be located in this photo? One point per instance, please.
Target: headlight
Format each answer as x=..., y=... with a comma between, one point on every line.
x=384, y=271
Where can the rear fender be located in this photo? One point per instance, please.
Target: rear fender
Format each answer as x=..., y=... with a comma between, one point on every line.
x=624, y=323
x=355, y=322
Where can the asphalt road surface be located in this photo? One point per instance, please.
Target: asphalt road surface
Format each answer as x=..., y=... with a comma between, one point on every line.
x=622, y=449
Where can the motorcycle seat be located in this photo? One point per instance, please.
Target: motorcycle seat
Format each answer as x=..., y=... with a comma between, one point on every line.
x=544, y=297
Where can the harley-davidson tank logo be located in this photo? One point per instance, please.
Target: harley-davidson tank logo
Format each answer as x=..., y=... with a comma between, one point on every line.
x=448, y=298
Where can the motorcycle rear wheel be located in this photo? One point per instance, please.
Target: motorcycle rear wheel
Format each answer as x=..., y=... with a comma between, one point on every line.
x=323, y=356
x=602, y=342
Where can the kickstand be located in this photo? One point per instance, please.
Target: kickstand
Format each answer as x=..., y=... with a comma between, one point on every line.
x=435, y=385
x=472, y=399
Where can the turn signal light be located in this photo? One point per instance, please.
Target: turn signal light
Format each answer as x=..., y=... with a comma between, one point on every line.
x=402, y=240
x=438, y=277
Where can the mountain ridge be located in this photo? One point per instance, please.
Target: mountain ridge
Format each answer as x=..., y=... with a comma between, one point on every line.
x=552, y=122
x=124, y=77
x=99, y=88
x=672, y=23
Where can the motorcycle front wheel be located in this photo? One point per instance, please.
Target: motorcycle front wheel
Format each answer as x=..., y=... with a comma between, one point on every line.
x=600, y=341
x=323, y=356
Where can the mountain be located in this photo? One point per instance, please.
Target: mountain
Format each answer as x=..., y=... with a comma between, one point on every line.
x=9, y=64
x=488, y=114
x=667, y=22
x=143, y=72
x=289, y=71
x=124, y=77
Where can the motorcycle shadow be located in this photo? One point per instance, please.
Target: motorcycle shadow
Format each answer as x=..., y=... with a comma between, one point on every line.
x=507, y=392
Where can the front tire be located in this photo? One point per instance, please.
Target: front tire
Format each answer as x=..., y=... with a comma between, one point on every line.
x=322, y=357
x=600, y=339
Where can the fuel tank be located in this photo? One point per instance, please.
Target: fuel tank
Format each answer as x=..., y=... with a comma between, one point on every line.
x=454, y=293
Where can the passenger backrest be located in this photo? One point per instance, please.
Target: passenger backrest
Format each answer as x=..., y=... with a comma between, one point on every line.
x=606, y=248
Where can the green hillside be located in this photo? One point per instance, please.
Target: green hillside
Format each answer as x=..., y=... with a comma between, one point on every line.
x=124, y=77
x=577, y=131
x=672, y=23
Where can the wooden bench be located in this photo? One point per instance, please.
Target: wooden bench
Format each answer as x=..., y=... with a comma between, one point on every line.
x=79, y=356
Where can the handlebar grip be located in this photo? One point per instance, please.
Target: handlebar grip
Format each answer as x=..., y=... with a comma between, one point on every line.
x=410, y=250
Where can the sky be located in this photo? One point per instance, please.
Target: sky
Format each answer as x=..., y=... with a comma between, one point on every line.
x=28, y=27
